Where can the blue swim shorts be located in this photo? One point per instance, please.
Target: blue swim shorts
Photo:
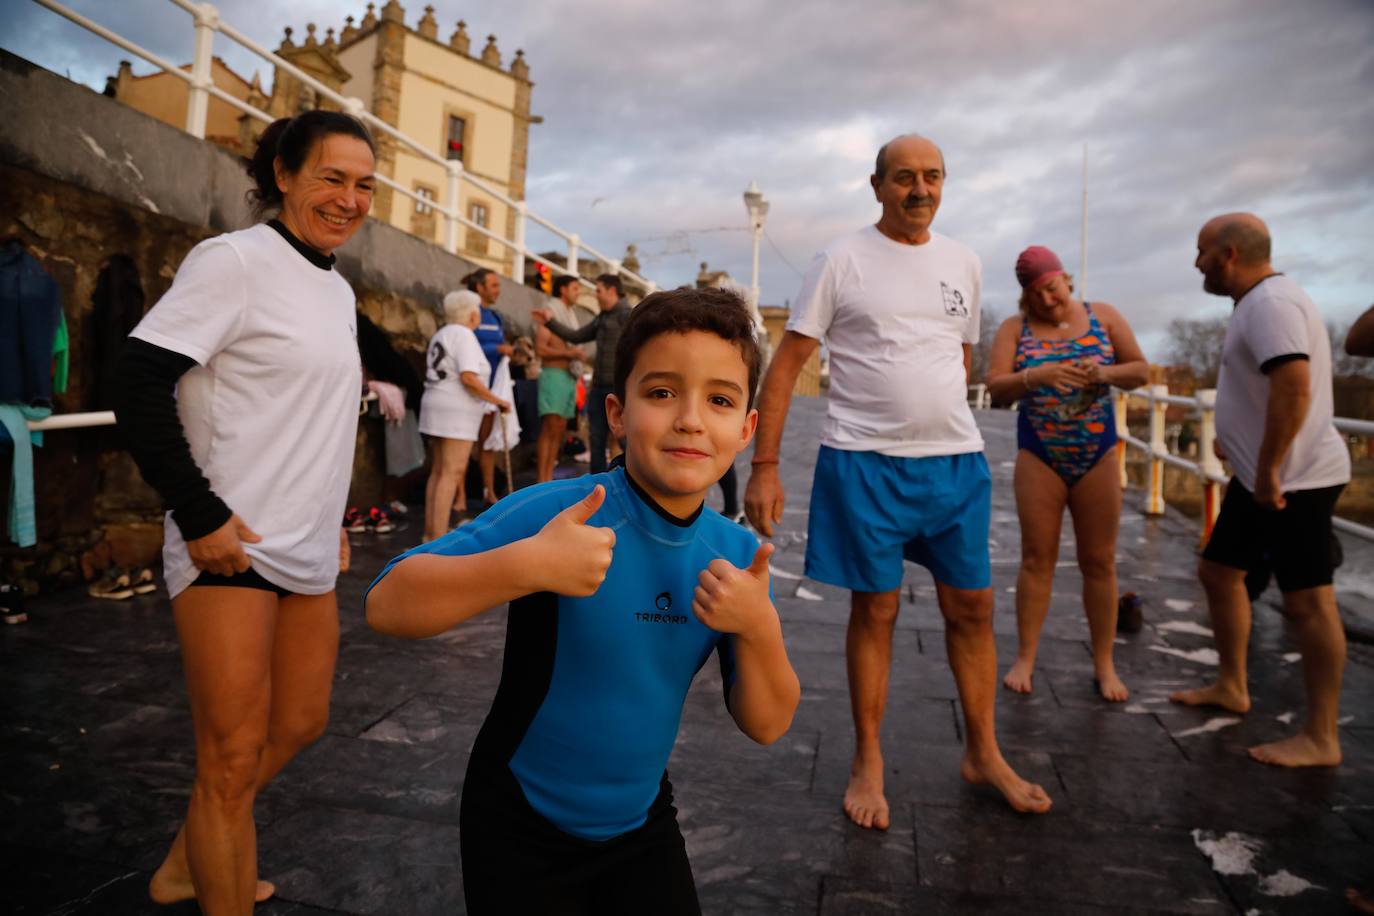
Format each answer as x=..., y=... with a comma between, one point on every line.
x=869, y=511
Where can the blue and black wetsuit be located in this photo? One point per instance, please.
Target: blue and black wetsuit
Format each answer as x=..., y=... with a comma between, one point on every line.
x=566, y=802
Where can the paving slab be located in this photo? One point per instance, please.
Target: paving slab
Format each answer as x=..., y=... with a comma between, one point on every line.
x=99, y=756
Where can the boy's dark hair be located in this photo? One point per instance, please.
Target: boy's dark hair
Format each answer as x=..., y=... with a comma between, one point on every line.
x=477, y=278
x=612, y=281
x=677, y=311
x=559, y=282
x=292, y=140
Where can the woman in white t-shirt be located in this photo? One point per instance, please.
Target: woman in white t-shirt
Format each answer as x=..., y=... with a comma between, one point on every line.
x=451, y=410
x=239, y=402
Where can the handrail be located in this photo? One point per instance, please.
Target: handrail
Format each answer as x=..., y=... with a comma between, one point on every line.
x=208, y=21
x=1208, y=468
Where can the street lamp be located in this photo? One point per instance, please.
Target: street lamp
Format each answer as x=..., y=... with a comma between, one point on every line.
x=757, y=205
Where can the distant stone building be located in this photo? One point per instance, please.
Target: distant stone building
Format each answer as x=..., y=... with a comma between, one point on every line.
x=465, y=106
x=462, y=106
x=165, y=97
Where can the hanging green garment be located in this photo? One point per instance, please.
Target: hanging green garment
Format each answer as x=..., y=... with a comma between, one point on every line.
x=61, y=357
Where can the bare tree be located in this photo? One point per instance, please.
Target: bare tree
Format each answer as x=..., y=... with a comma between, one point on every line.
x=1343, y=365
x=987, y=330
x=1196, y=343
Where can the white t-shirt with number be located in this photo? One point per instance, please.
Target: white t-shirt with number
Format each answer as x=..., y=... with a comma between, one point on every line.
x=1275, y=319
x=271, y=411
x=895, y=318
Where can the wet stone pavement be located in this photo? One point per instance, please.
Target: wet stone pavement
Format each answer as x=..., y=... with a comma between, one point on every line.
x=1156, y=808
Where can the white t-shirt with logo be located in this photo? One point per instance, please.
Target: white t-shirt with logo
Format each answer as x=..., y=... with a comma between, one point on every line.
x=448, y=409
x=1276, y=319
x=271, y=411
x=895, y=318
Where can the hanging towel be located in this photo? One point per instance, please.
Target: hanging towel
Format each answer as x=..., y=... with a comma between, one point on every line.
x=61, y=357
x=22, y=522
x=405, y=451
x=503, y=388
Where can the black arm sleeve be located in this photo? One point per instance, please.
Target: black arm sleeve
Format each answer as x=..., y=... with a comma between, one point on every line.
x=146, y=408
x=575, y=335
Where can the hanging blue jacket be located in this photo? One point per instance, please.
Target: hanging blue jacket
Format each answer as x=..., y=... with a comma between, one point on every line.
x=30, y=310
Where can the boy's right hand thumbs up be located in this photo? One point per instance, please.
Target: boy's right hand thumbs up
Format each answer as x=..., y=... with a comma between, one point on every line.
x=576, y=555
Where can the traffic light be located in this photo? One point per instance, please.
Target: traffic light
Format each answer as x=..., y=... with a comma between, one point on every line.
x=545, y=279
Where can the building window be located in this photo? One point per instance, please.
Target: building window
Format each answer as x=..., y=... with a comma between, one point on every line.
x=477, y=242
x=427, y=193
x=457, y=134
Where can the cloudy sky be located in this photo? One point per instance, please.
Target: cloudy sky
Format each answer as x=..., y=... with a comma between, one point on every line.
x=658, y=115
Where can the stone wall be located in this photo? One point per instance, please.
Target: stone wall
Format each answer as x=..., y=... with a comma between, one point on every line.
x=106, y=179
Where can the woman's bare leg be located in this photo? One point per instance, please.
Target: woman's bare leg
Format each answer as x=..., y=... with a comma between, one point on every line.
x=305, y=646
x=226, y=639
x=1095, y=505
x=1040, y=499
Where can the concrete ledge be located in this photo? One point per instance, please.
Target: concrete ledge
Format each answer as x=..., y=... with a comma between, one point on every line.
x=104, y=146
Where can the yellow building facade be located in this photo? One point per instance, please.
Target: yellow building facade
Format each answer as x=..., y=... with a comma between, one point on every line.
x=472, y=108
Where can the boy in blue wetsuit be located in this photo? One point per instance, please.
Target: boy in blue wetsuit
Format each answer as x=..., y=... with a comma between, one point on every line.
x=621, y=585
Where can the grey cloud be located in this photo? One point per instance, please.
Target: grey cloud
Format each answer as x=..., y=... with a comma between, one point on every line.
x=664, y=112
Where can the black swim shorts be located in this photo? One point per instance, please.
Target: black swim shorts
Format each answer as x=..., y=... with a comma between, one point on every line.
x=1294, y=541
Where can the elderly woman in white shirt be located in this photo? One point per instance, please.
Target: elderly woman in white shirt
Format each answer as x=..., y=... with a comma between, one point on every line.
x=456, y=370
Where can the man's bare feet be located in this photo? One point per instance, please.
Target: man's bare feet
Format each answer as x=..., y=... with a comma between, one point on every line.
x=1019, y=677
x=1111, y=688
x=993, y=770
x=1216, y=694
x=171, y=882
x=1301, y=750
x=864, y=801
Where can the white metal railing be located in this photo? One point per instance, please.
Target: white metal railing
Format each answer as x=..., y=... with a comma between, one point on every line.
x=1208, y=468
x=207, y=22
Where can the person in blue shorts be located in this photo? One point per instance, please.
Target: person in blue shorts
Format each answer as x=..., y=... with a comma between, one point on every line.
x=621, y=586
x=901, y=472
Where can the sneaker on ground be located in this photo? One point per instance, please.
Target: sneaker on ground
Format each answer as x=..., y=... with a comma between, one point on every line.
x=378, y=522
x=397, y=507
x=141, y=581
x=354, y=521
x=114, y=585
x=12, y=604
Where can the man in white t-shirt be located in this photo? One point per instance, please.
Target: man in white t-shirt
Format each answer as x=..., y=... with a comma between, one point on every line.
x=901, y=472
x=1289, y=465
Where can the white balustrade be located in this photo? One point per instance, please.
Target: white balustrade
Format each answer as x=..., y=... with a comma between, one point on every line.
x=207, y=21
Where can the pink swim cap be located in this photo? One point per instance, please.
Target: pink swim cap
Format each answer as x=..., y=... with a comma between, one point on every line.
x=1037, y=263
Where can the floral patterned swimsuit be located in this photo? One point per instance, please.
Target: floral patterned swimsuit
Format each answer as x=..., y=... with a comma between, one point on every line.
x=1068, y=432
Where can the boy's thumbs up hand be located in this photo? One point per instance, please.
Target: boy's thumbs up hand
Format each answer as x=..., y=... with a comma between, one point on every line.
x=733, y=600
x=575, y=556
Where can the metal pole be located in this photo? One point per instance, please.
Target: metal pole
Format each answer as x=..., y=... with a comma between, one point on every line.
x=518, y=269
x=454, y=168
x=573, y=255
x=754, y=277
x=1154, y=497
x=1123, y=429
x=1083, y=250
x=1208, y=463
x=198, y=102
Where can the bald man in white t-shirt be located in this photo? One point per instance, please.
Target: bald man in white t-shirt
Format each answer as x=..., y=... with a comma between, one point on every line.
x=1289, y=465
x=901, y=472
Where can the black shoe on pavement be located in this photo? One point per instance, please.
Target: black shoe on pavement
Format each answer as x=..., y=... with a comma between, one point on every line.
x=12, y=604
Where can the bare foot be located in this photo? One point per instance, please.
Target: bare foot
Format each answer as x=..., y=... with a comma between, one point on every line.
x=1111, y=688
x=1019, y=677
x=993, y=770
x=171, y=882
x=864, y=801
x=1214, y=695
x=1301, y=750
x=1362, y=903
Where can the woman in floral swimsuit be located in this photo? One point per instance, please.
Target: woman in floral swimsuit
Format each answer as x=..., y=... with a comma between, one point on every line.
x=1059, y=358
